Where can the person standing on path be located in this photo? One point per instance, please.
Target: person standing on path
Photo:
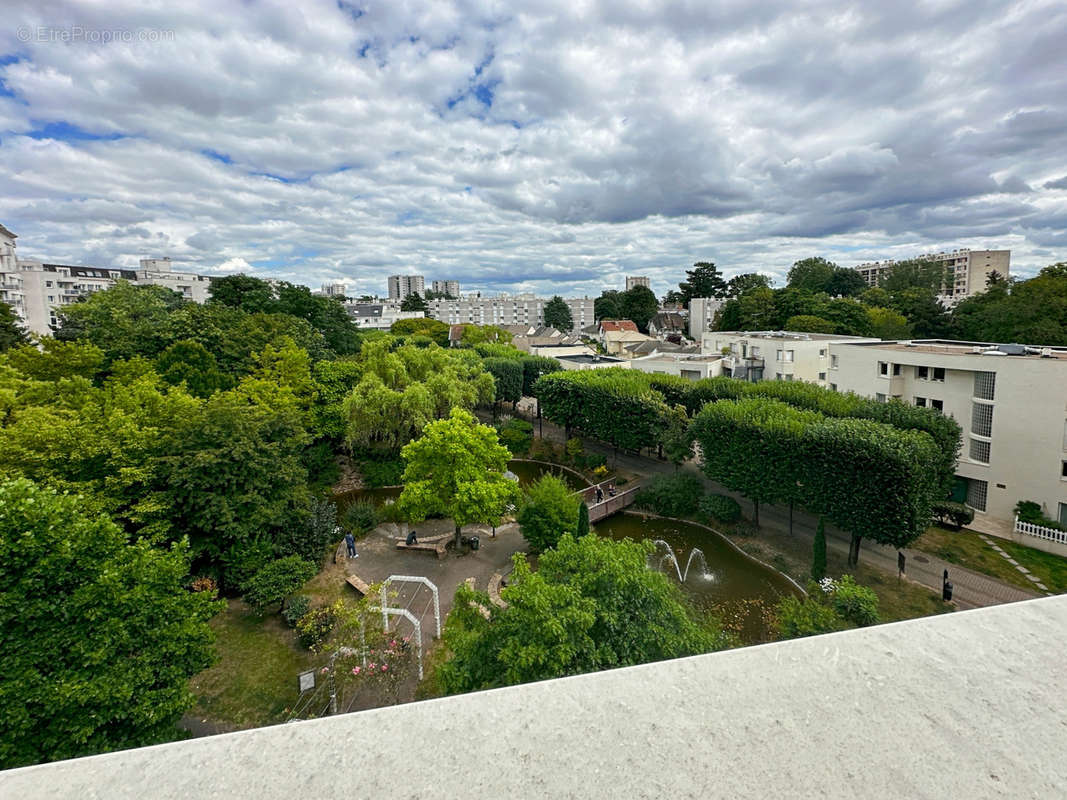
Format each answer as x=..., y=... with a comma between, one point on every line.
x=350, y=542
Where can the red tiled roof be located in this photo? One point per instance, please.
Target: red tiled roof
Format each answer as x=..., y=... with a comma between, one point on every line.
x=618, y=325
x=455, y=332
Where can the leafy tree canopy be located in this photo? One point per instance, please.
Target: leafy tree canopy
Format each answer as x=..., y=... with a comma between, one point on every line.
x=413, y=302
x=703, y=280
x=549, y=510
x=811, y=274
x=12, y=332
x=100, y=636
x=639, y=304
x=743, y=284
x=558, y=314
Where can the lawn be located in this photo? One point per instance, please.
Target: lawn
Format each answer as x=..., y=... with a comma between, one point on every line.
x=255, y=679
x=967, y=549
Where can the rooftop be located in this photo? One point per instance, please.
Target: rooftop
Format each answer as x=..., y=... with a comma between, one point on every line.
x=950, y=347
x=968, y=704
x=793, y=335
x=582, y=358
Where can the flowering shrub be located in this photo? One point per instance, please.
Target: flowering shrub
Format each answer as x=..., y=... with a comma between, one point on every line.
x=204, y=583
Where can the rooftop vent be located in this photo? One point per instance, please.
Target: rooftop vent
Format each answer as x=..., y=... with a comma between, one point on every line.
x=1012, y=349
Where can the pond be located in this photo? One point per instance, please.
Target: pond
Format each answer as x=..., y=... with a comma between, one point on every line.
x=737, y=589
x=527, y=471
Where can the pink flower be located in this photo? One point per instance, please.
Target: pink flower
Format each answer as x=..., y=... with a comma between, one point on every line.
x=324, y=670
x=392, y=643
x=385, y=667
x=373, y=665
x=355, y=670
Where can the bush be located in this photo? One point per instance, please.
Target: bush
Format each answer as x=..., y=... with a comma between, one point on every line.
x=549, y=510
x=382, y=471
x=295, y=608
x=807, y=617
x=243, y=560
x=276, y=581
x=204, y=583
x=952, y=514
x=575, y=449
x=315, y=626
x=361, y=516
x=671, y=495
x=745, y=528
x=516, y=435
x=1029, y=511
x=311, y=540
x=856, y=604
x=720, y=507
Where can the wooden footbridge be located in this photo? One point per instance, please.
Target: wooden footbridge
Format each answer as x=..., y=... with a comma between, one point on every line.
x=611, y=502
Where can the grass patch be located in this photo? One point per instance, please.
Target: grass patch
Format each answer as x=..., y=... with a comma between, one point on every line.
x=254, y=681
x=967, y=549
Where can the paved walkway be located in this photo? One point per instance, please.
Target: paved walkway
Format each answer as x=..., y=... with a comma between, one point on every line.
x=1022, y=570
x=970, y=589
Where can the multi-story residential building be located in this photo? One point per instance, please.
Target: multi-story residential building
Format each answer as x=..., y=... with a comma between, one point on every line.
x=10, y=279
x=775, y=355
x=635, y=280
x=159, y=272
x=450, y=288
x=379, y=316
x=521, y=309
x=967, y=271
x=1009, y=400
x=400, y=286
x=702, y=312
x=693, y=366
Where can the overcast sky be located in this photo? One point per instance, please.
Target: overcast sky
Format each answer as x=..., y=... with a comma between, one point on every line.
x=554, y=149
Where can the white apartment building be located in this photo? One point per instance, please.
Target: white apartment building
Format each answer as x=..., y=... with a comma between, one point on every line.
x=400, y=286
x=970, y=269
x=450, y=288
x=520, y=309
x=1009, y=400
x=159, y=272
x=692, y=366
x=10, y=279
x=636, y=280
x=379, y=316
x=702, y=312
x=775, y=355
x=336, y=289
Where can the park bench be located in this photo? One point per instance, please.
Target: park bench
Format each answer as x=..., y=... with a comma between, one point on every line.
x=431, y=544
x=358, y=584
x=494, y=590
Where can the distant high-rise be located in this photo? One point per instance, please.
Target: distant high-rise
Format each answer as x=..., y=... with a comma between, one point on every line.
x=400, y=286
x=966, y=271
x=634, y=280
x=451, y=288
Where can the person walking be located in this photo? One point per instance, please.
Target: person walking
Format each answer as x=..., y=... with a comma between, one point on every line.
x=350, y=542
x=599, y=495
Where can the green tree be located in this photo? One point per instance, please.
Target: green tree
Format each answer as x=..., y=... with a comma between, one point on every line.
x=811, y=274
x=276, y=581
x=422, y=326
x=743, y=284
x=190, y=362
x=1032, y=311
x=845, y=282
x=923, y=311
x=810, y=324
x=888, y=324
x=808, y=617
x=608, y=305
x=915, y=273
x=507, y=375
x=639, y=304
x=100, y=636
x=558, y=314
x=413, y=302
x=485, y=334
x=704, y=280
x=818, y=555
x=456, y=468
x=549, y=510
x=12, y=334
x=876, y=296
x=593, y=604
x=849, y=316
x=677, y=440
x=582, y=528
x=244, y=292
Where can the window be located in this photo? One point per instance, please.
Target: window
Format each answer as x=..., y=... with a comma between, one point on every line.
x=883, y=368
x=1063, y=513
x=822, y=376
x=780, y=352
x=1063, y=469
x=922, y=373
x=880, y=397
x=896, y=369
x=822, y=353
x=976, y=493
x=939, y=373
x=982, y=419
x=938, y=404
x=755, y=351
x=979, y=451
x=920, y=402
x=833, y=362
x=777, y=376
x=833, y=387
x=789, y=356
x=984, y=385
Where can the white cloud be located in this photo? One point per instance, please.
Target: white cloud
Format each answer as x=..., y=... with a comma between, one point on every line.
x=557, y=148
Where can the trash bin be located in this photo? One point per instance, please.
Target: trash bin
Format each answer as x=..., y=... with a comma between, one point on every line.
x=946, y=591
x=475, y=542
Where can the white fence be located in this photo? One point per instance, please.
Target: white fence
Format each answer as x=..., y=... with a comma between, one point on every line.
x=1041, y=532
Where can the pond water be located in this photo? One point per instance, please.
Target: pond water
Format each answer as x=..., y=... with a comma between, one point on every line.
x=527, y=471
x=735, y=588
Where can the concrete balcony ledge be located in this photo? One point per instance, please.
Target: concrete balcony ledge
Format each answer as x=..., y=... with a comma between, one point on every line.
x=967, y=705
